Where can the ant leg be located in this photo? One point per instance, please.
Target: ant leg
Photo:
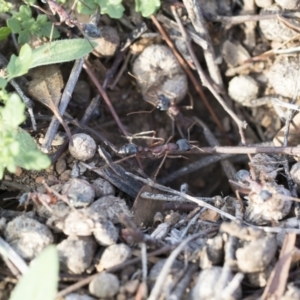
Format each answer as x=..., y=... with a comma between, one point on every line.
x=180, y=131
x=160, y=165
x=189, y=129
x=191, y=106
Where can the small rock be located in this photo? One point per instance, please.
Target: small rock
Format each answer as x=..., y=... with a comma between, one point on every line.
x=27, y=237
x=288, y=4
x=264, y=251
x=243, y=88
x=78, y=222
x=110, y=207
x=273, y=29
x=263, y=3
x=104, y=285
x=113, y=255
x=286, y=67
x=76, y=253
x=106, y=233
x=75, y=296
x=108, y=43
x=131, y=286
x=79, y=192
x=65, y=176
x=103, y=188
x=39, y=179
x=60, y=166
x=159, y=72
x=84, y=147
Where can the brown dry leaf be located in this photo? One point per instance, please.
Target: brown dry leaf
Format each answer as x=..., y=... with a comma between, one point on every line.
x=277, y=282
x=145, y=209
x=46, y=86
x=210, y=215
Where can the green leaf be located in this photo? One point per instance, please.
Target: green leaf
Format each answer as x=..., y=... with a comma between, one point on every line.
x=24, y=37
x=29, y=156
x=41, y=19
x=3, y=83
x=4, y=33
x=24, y=13
x=147, y=7
x=113, y=8
x=86, y=7
x=61, y=51
x=14, y=24
x=12, y=114
x=46, y=30
x=30, y=2
x=5, y=6
x=19, y=66
x=41, y=280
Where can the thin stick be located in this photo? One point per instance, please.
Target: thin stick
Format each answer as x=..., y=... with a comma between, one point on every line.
x=209, y=85
x=65, y=99
x=245, y=150
x=191, y=76
x=156, y=291
x=195, y=14
x=169, y=24
x=235, y=20
x=8, y=252
x=102, y=92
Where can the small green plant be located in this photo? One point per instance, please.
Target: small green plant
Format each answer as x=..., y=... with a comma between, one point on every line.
x=115, y=9
x=41, y=280
x=23, y=24
x=5, y=6
x=17, y=148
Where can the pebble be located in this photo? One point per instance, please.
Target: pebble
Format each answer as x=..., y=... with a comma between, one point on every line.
x=104, y=285
x=113, y=255
x=83, y=148
x=60, y=166
x=76, y=253
x=243, y=88
x=103, y=188
x=79, y=192
x=106, y=233
x=27, y=236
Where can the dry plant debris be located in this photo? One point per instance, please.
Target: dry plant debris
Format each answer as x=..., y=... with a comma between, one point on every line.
x=224, y=230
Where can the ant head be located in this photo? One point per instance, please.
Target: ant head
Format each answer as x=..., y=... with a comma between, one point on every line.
x=163, y=102
x=128, y=149
x=243, y=176
x=91, y=30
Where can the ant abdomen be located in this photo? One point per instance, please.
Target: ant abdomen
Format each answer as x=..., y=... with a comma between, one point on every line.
x=128, y=149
